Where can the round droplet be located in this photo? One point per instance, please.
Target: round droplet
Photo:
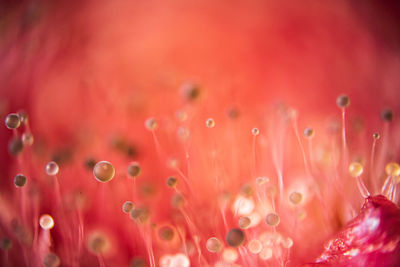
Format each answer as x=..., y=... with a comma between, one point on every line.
x=214, y=245
x=151, y=124
x=235, y=237
x=177, y=201
x=355, y=169
x=27, y=139
x=23, y=117
x=287, y=242
x=52, y=168
x=308, y=132
x=244, y=222
x=46, y=222
x=51, y=260
x=103, y=171
x=210, y=123
x=255, y=131
x=19, y=180
x=180, y=260
x=246, y=190
x=5, y=243
x=172, y=182
x=98, y=243
x=140, y=215
x=190, y=91
x=392, y=169
x=262, y=180
x=127, y=207
x=387, y=115
x=12, y=121
x=166, y=233
x=272, y=219
x=134, y=169
x=343, y=101
x=376, y=136
x=266, y=253
x=230, y=255
x=295, y=198
x=255, y=246
x=15, y=146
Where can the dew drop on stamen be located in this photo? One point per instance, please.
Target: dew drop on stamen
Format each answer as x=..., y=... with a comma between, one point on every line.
x=172, y=182
x=387, y=115
x=98, y=243
x=235, y=237
x=51, y=260
x=52, y=168
x=151, y=124
x=15, y=146
x=255, y=246
x=262, y=180
x=244, y=222
x=177, y=201
x=12, y=121
x=214, y=245
x=343, y=101
x=134, y=170
x=23, y=117
x=295, y=198
x=308, y=132
x=230, y=255
x=127, y=207
x=46, y=222
x=392, y=169
x=287, y=242
x=355, y=169
x=103, y=171
x=255, y=131
x=210, y=123
x=27, y=139
x=19, y=180
x=376, y=136
x=140, y=215
x=166, y=233
x=272, y=219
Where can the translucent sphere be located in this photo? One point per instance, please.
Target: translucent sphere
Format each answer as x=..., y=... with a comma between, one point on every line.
x=343, y=101
x=98, y=243
x=103, y=171
x=20, y=180
x=172, y=182
x=376, y=136
x=214, y=245
x=151, y=124
x=127, y=207
x=46, y=222
x=235, y=237
x=308, y=132
x=51, y=260
x=387, y=115
x=272, y=219
x=52, y=168
x=244, y=222
x=27, y=139
x=210, y=123
x=355, y=169
x=295, y=198
x=12, y=121
x=166, y=233
x=392, y=169
x=255, y=246
x=255, y=131
x=134, y=169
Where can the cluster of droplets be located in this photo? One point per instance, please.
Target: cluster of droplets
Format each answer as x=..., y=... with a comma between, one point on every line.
x=250, y=236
